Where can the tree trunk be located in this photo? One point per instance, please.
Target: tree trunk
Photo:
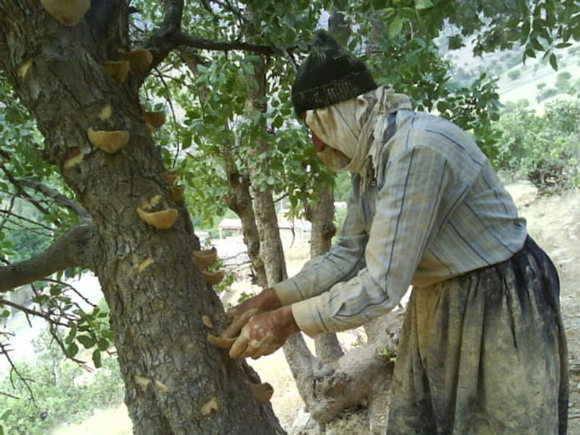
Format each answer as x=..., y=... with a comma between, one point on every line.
x=239, y=197
x=271, y=249
x=320, y=213
x=239, y=200
x=175, y=381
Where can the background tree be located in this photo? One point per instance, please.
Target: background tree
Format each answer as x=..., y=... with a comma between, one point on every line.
x=221, y=73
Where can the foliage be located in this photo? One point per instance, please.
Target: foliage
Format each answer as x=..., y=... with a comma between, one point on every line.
x=28, y=218
x=544, y=149
x=55, y=391
x=542, y=26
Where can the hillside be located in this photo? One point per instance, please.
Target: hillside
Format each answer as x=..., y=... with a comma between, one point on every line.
x=535, y=81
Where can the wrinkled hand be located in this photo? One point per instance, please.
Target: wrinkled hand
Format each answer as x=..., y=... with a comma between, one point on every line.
x=240, y=314
x=264, y=333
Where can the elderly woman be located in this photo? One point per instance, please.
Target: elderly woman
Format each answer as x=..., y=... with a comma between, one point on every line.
x=483, y=348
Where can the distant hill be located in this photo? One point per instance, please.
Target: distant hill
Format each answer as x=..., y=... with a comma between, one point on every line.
x=534, y=81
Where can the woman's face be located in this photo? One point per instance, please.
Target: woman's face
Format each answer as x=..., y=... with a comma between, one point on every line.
x=331, y=157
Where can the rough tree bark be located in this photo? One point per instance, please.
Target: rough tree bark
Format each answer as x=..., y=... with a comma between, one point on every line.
x=175, y=381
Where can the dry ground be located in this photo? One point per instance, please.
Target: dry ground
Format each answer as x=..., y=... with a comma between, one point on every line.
x=555, y=224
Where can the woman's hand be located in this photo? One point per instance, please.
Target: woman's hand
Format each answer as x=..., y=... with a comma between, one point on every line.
x=264, y=333
x=240, y=314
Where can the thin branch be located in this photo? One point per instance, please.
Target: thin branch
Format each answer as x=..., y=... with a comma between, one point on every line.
x=74, y=290
x=57, y=196
x=9, y=210
x=288, y=55
x=227, y=5
x=2, y=393
x=208, y=8
x=23, y=193
x=25, y=219
x=30, y=312
x=206, y=44
x=54, y=334
x=13, y=369
x=173, y=116
x=5, y=157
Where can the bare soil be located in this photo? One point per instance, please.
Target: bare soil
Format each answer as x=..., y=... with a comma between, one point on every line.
x=554, y=222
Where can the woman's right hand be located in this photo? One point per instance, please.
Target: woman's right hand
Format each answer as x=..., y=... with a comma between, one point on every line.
x=240, y=314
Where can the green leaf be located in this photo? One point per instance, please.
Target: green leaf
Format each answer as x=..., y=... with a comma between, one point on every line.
x=378, y=4
x=278, y=121
x=395, y=27
x=530, y=52
x=389, y=12
x=86, y=341
x=423, y=4
x=72, y=350
x=102, y=344
x=554, y=61
x=97, y=359
x=71, y=335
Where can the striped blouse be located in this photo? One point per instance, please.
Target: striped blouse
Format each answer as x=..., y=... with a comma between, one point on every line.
x=432, y=208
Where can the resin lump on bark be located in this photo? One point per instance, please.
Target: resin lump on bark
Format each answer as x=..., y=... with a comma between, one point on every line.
x=176, y=192
x=213, y=278
x=144, y=264
x=105, y=112
x=67, y=12
x=170, y=176
x=207, y=408
x=261, y=392
x=205, y=257
x=73, y=158
x=153, y=213
x=153, y=120
x=108, y=141
x=139, y=60
x=23, y=68
x=144, y=383
x=119, y=70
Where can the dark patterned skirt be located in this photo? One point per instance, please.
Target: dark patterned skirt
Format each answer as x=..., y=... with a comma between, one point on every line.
x=484, y=353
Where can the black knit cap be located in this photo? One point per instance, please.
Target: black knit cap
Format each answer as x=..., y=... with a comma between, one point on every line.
x=328, y=76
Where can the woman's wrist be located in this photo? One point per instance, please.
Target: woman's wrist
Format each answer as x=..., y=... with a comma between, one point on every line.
x=270, y=300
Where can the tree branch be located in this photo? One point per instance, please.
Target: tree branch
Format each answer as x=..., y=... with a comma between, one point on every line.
x=32, y=312
x=23, y=193
x=206, y=44
x=4, y=350
x=169, y=36
x=173, y=16
x=74, y=248
x=57, y=196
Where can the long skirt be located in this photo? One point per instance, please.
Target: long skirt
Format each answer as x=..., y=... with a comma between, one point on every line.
x=484, y=353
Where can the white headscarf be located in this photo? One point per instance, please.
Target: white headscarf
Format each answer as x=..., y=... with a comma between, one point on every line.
x=352, y=126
